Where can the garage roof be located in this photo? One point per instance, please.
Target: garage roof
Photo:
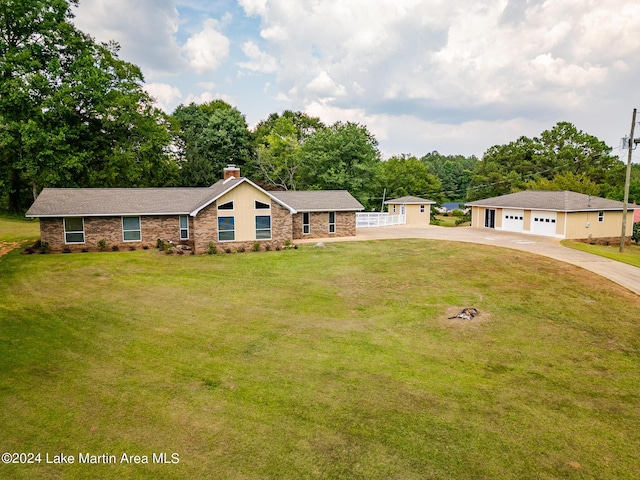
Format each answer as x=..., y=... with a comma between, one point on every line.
x=561, y=201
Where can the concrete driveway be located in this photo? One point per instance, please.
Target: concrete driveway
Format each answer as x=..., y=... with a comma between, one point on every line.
x=626, y=275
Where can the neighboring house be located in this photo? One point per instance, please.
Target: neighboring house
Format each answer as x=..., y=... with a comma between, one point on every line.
x=233, y=213
x=636, y=214
x=417, y=210
x=559, y=214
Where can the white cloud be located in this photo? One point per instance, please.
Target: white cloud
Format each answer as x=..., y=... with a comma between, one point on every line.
x=145, y=29
x=206, y=97
x=260, y=61
x=207, y=49
x=166, y=96
x=324, y=86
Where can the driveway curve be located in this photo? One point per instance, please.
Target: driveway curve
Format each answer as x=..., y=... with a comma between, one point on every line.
x=626, y=275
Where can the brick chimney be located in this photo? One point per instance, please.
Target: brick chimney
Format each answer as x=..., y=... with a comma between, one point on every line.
x=231, y=171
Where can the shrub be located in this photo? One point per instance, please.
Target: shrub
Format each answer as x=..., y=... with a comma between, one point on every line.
x=145, y=247
x=131, y=248
x=115, y=248
x=102, y=245
x=256, y=246
x=457, y=213
x=636, y=232
x=159, y=244
x=212, y=249
x=227, y=250
x=168, y=248
x=240, y=249
x=44, y=247
x=66, y=250
x=267, y=247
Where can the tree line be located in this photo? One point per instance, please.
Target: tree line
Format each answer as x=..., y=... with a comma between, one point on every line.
x=72, y=114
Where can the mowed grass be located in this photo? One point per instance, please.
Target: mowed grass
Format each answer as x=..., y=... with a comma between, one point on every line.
x=631, y=254
x=334, y=362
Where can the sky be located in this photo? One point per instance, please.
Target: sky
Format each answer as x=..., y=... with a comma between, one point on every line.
x=453, y=76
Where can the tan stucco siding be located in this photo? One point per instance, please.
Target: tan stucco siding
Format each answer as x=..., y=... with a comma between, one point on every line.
x=244, y=211
x=526, y=223
x=416, y=217
x=561, y=219
x=611, y=226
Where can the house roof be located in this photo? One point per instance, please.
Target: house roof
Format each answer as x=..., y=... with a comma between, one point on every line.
x=318, y=200
x=87, y=202
x=54, y=202
x=409, y=200
x=562, y=201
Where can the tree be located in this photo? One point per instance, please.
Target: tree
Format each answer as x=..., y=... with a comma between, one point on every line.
x=402, y=175
x=71, y=112
x=279, y=141
x=455, y=172
x=563, y=150
x=573, y=182
x=212, y=135
x=342, y=156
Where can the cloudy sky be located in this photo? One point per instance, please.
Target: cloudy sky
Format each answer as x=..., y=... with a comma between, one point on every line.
x=456, y=76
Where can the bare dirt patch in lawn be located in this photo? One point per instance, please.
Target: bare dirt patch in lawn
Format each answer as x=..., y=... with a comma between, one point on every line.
x=6, y=247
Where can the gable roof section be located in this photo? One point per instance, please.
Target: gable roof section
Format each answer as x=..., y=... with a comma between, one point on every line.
x=319, y=200
x=561, y=201
x=409, y=200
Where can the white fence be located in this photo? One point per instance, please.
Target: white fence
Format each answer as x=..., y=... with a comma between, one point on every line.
x=375, y=219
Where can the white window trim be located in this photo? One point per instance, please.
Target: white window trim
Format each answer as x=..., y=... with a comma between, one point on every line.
x=264, y=229
x=255, y=206
x=422, y=209
x=233, y=207
x=334, y=221
x=181, y=228
x=308, y=225
x=234, y=228
x=137, y=230
x=64, y=227
x=601, y=216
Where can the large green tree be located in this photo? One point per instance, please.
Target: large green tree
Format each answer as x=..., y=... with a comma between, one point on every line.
x=402, y=175
x=71, y=112
x=342, y=156
x=212, y=135
x=454, y=171
x=564, y=150
x=279, y=141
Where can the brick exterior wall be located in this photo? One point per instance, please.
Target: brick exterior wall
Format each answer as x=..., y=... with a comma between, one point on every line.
x=110, y=229
x=319, y=225
x=202, y=230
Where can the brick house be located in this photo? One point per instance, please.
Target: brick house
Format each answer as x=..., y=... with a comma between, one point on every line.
x=233, y=213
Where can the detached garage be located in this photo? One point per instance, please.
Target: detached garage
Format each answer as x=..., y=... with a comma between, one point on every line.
x=558, y=214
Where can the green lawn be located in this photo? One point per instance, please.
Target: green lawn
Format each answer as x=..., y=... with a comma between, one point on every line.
x=334, y=362
x=631, y=254
x=17, y=230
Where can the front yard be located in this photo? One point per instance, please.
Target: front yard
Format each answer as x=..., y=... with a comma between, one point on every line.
x=334, y=362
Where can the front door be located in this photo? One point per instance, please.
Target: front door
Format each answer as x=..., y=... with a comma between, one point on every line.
x=490, y=218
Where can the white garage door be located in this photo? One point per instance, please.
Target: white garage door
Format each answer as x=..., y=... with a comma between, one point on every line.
x=543, y=223
x=512, y=220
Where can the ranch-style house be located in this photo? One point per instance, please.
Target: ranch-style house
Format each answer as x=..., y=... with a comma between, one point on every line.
x=234, y=213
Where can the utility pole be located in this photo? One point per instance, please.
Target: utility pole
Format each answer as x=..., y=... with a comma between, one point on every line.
x=626, y=183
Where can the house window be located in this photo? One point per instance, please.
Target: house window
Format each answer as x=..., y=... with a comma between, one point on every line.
x=332, y=222
x=131, y=229
x=226, y=229
x=263, y=227
x=394, y=209
x=306, y=223
x=601, y=216
x=74, y=230
x=184, y=227
x=421, y=208
x=226, y=206
x=262, y=206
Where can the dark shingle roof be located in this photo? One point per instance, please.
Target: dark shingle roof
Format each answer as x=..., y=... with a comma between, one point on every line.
x=562, y=201
x=56, y=202
x=319, y=200
x=410, y=200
